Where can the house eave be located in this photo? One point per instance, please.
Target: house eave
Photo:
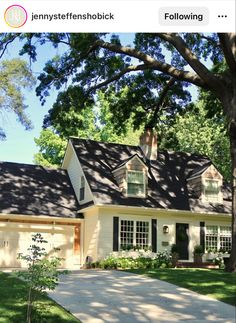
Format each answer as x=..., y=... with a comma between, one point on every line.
x=164, y=211
x=48, y=218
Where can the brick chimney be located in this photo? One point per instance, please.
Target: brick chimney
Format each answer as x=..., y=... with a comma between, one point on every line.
x=148, y=144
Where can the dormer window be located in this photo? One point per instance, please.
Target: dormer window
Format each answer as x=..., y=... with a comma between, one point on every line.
x=211, y=190
x=205, y=183
x=132, y=177
x=135, y=183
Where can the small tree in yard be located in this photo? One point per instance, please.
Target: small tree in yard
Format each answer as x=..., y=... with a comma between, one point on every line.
x=42, y=271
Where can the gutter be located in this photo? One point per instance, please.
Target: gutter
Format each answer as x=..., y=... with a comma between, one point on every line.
x=152, y=210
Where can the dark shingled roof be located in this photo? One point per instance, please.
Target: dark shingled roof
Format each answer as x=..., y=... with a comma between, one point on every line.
x=35, y=190
x=199, y=170
x=167, y=185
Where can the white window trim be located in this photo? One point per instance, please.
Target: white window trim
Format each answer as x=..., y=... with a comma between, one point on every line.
x=218, y=235
x=134, y=232
x=144, y=183
x=220, y=197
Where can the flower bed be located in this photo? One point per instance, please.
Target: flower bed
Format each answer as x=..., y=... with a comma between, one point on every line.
x=134, y=260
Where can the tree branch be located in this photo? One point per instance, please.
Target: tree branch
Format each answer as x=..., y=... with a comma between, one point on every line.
x=207, y=77
x=7, y=43
x=154, y=64
x=131, y=68
x=160, y=102
x=228, y=45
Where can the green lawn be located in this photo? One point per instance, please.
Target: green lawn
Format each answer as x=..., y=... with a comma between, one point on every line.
x=211, y=282
x=13, y=296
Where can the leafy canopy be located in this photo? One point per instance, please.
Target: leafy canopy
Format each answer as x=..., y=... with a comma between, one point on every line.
x=15, y=75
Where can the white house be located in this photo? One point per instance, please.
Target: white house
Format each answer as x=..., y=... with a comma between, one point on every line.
x=109, y=197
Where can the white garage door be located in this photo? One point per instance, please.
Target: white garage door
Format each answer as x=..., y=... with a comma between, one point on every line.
x=15, y=238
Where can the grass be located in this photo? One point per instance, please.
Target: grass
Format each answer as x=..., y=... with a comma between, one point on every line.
x=13, y=304
x=214, y=283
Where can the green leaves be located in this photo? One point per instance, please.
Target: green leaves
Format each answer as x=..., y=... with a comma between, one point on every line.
x=15, y=75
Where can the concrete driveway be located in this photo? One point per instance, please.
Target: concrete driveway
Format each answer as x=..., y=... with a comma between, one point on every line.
x=97, y=296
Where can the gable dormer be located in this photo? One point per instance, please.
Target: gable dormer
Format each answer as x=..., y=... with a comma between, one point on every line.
x=132, y=177
x=206, y=183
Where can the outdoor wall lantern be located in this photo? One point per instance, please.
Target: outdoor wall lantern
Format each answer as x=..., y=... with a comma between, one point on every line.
x=165, y=229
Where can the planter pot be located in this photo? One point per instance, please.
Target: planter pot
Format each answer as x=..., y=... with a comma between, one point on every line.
x=226, y=255
x=197, y=259
x=210, y=256
x=174, y=259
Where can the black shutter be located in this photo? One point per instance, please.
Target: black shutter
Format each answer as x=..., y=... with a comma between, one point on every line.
x=115, y=233
x=154, y=235
x=202, y=235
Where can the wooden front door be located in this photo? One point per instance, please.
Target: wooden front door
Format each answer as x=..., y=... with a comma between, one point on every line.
x=77, y=239
x=182, y=240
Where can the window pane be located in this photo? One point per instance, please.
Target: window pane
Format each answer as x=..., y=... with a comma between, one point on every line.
x=211, y=229
x=212, y=190
x=211, y=237
x=135, y=183
x=135, y=189
x=126, y=234
x=142, y=233
x=135, y=177
x=225, y=238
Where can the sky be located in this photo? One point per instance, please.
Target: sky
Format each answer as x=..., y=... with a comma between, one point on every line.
x=19, y=145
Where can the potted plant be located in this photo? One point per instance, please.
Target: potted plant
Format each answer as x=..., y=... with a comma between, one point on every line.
x=197, y=254
x=174, y=255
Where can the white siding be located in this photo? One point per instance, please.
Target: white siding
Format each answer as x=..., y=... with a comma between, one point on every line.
x=91, y=234
x=105, y=225
x=75, y=172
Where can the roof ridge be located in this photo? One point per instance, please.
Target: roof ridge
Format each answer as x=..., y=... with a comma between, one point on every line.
x=104, y=142
x=31, y=165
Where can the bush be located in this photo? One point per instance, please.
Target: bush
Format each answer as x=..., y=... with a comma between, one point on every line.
x=135, y=260
x=198, y=250
x=174, y=248
x=219, y=260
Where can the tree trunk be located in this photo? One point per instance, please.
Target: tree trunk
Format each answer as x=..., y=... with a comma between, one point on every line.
x=29, y=308
x=231, y=266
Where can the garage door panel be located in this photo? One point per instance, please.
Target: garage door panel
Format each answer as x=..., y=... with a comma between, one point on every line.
x=17, y=238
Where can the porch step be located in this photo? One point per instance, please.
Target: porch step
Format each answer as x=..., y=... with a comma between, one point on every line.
x=206, y=265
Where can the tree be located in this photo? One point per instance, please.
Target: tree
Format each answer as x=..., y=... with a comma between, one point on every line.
x=51, y=149
x=94, y=63
x=93, y=124
x=41, y=273
x=15, y=75
x=194, y=132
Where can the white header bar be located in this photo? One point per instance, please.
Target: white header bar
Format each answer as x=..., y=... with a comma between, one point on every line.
x=117, y=16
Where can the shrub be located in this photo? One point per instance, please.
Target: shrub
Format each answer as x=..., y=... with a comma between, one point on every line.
x=219, y=260
x=135, y=260
x=198, y=250
x=174, y=248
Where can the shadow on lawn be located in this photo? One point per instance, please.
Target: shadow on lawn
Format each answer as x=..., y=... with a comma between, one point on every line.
x=206, y=282
x=13, y=304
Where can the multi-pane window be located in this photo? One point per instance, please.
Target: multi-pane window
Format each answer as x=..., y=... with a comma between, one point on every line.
x=211, y=190
x=142, y=234
x=126, y=234
x=82, y=188
x=134, y=234
x=225, y=238
x=218, y=238
x=212, y=237
x=136, y=183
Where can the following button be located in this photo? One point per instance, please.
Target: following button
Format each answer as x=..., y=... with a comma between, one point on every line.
x=183, y=16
